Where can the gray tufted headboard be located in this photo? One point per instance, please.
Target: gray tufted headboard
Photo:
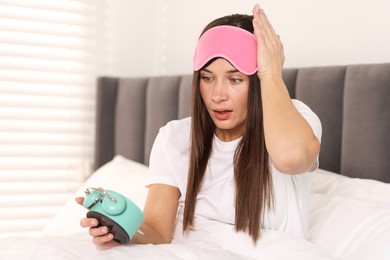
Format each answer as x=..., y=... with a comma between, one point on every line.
x=353, y=103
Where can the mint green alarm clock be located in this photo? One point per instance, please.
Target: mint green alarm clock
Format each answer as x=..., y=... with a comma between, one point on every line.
x=119, y=214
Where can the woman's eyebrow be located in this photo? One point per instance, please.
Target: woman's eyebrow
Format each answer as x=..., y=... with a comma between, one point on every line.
x=206, y=70
x=232, y=71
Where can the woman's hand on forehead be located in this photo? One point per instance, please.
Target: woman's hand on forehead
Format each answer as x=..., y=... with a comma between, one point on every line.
x=270, y=53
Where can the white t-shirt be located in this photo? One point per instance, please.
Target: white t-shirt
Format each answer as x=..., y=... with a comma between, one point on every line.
x=169, y=163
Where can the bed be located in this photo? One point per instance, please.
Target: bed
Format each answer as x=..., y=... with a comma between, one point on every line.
x=350, y=198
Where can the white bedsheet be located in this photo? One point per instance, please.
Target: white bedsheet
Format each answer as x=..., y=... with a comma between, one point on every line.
x=204, y=243
x=349, y=219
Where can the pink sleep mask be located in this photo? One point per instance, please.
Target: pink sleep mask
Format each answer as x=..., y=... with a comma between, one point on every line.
x=234, y=44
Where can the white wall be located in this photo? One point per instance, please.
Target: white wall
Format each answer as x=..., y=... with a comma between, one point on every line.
x=157, y=37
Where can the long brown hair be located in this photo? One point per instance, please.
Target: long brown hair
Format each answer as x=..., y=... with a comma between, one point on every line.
x=251, y=162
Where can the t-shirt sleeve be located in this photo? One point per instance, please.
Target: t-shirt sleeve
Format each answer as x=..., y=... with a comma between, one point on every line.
x=160, y=168
x=312, y=119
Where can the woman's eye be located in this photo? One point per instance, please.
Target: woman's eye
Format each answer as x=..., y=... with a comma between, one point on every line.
x=235, y=81
x=206, y=79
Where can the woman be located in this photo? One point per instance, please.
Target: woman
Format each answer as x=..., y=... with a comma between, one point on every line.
x=243, y=157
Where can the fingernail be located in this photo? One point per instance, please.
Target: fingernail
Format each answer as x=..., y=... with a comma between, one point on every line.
x=94, y=222
x=257, y=8
x=110, y=236
x=103, y=229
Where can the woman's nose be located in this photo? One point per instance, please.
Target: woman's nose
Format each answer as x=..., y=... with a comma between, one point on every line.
x=219, y=92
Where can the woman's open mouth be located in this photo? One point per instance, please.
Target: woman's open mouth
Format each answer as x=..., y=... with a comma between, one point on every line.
x=222, y=114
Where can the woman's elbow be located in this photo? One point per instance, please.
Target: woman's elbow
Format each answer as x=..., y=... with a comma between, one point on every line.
x=297, y=160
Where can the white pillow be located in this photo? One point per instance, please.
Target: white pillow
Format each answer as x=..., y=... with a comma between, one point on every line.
x=350, y=217
x=121, y=175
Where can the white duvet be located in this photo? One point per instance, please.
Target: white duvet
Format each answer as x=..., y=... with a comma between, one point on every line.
x=205, y=244
x=349, y=219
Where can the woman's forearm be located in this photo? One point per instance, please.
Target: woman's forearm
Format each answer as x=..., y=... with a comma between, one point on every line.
x=148, y=235
x=290, y=141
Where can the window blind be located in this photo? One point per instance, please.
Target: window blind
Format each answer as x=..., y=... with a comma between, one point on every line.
x=48, y=62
